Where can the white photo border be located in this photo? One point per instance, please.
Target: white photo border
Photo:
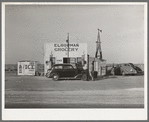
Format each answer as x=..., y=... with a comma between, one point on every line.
x=74, y=114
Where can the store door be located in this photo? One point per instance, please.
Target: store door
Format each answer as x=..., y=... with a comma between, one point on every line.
x=66, y=60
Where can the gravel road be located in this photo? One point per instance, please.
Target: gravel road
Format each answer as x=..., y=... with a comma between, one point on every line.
x=41, y=92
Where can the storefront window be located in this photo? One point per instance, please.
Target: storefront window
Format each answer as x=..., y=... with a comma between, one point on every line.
x=73, y=60
x=79, y=59
x=66, y=60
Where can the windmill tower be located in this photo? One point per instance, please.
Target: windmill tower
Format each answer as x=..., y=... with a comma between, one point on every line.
x=100, y=63
x=98, y=46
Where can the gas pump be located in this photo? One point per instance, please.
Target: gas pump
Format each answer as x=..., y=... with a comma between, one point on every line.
x=83, y=59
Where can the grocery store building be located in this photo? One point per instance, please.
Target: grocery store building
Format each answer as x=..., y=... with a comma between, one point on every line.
x=62, y=53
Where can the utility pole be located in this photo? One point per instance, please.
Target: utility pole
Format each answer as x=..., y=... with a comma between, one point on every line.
x=98, y=50
x=68, y=44
x=87, y=67
x=68, y=47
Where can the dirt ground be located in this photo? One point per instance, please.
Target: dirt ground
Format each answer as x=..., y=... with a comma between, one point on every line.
x=42, y=92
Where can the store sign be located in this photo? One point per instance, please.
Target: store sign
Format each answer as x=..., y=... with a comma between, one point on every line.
x=64, y=47
x=29, y=67
x=59, y=60
x=26, y=68
x=20, y=69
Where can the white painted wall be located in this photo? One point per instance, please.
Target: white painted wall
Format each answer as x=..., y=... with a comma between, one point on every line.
x=60, y=50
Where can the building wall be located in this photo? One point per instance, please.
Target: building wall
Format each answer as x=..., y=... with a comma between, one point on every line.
x=60, y=51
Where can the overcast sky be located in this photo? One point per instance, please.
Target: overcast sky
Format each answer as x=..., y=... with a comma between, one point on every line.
x=28, y=27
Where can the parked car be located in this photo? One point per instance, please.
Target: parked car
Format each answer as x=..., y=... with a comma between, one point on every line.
x=138, y=69
x=66, y=71
x=123, y=69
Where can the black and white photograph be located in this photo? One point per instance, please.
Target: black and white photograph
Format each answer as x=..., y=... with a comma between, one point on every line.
x=74, y=61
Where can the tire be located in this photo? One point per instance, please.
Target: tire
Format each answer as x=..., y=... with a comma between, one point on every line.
x=84, y=77
x=55, y=77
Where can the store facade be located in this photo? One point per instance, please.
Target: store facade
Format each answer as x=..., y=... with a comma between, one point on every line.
x=59, y=53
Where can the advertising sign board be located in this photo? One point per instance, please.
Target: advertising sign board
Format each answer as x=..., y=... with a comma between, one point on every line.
x=26, y=68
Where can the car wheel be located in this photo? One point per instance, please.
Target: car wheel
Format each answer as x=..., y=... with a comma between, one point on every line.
x=123, y=73
x=84, y=77
x=55, y=77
